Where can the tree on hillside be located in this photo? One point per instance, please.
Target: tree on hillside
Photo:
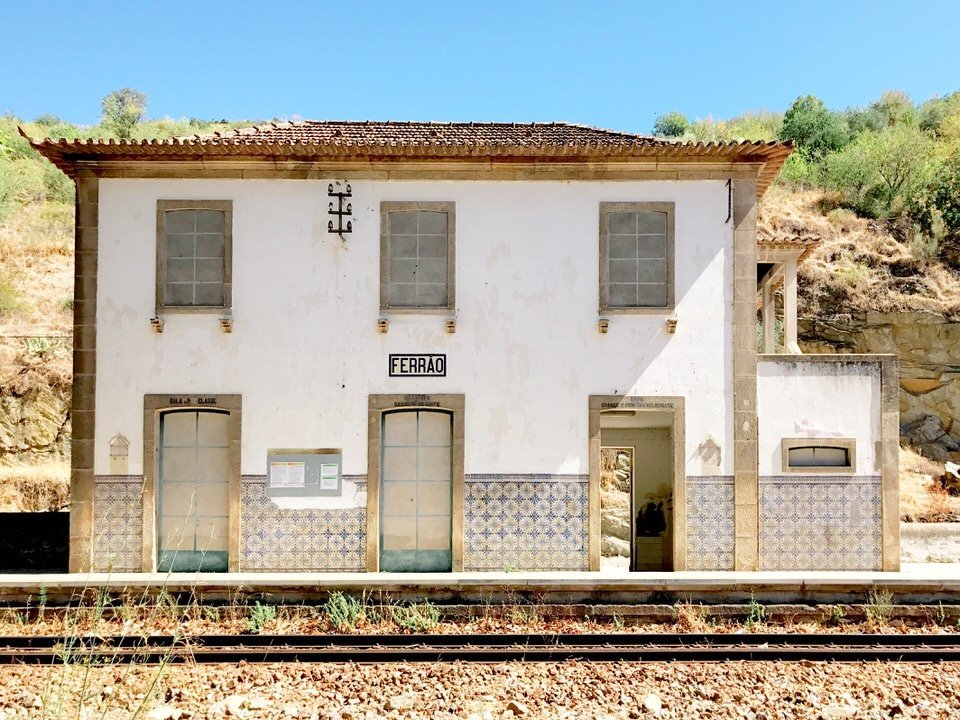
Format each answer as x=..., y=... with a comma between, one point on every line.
x=672, y=125
x=761, y=125
x=941, y=116
x=896, y=107
x=942, y=197
x=48, y=120
x=901, y=155
x=709, y=130
x=861, y=120
x=879, y=172
x=815, y=129
x=122, y=110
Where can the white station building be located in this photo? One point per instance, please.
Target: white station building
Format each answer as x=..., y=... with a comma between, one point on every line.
x=384, y=346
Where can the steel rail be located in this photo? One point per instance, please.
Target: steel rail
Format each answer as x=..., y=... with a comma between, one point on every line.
x=709, y=647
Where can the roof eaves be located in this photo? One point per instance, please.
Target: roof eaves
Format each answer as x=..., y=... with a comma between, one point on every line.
x=64, y=154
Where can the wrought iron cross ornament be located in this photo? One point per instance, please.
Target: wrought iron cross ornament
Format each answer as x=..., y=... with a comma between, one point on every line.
x=339, y=212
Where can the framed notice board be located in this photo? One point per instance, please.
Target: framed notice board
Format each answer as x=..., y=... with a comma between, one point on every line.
x=304, y=473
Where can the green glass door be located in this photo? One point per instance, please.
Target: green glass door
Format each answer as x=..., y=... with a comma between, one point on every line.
x=416, y=492
x=193, y=494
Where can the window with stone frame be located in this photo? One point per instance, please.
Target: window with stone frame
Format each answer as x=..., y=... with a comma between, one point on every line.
x=417, y=257
x=819, y=455
x=636, y=257
x=194, y=240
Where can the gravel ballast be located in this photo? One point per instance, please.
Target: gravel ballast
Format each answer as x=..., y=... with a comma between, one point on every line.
x=761, y=691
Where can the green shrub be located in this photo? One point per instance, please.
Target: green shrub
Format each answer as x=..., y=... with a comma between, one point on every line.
x=11, y=186
x=259, y=617
x=799, y=172
x=343, y=611
x=57, y=187
x=416, y=618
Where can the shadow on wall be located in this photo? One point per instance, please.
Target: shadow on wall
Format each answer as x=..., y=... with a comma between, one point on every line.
x=48, y=548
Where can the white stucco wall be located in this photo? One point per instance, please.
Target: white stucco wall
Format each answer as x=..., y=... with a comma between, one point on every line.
x=818, y=400
x=305, y=351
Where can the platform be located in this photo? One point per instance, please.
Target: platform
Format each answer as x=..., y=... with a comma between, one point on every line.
x=920, y=583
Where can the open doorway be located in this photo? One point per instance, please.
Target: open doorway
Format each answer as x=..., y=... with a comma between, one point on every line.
x=637, y=470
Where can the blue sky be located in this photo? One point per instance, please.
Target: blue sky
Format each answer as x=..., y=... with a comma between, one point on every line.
x=612, y=64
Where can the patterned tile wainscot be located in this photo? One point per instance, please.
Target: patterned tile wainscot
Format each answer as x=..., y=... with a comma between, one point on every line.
x=117, y=523
x=820, y=523
x=710, y=522
x=525, y=522
x=300, y=540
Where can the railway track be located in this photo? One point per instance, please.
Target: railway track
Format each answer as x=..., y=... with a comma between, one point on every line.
x=712, y=647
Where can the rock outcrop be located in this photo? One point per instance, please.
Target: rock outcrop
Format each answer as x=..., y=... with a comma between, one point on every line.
x=929, y=350
x=35, y=425
x=615, y=531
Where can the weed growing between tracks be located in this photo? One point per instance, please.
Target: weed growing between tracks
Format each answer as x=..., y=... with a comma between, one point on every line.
x=344, y=612
x=879, y=607
x=261, y=617
x=97, y=612
x=756, y=613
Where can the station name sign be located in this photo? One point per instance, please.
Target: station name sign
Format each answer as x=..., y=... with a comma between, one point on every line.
x=418, y=365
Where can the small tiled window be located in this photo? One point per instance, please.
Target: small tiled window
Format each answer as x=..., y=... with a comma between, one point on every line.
x=819, y=455
x=636, y=257
x=193, y=254
x=417, y=257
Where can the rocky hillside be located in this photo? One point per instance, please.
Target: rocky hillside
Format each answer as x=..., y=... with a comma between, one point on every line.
x=869, y=288
x=36, y=265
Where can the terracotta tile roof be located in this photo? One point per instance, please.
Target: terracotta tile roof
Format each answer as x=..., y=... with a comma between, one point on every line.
x=794, y=241
x=371, y=141
x=429, y=134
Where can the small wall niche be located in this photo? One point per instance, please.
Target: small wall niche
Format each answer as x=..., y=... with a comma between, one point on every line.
x=119, y=455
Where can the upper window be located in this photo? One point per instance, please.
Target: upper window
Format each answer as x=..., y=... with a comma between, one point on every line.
x=193, y=254
x=417, y=256
x=819, y=455
x=636, y=257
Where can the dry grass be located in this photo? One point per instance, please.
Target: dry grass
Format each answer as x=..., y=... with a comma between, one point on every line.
x=921, y=500
x=36, y=258
x=35, y=488
x=27, y=364
x=691, y=618
x=860, y=264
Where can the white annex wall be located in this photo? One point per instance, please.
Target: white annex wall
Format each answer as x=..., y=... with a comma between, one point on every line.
x=305, y=352
x=818, y=400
